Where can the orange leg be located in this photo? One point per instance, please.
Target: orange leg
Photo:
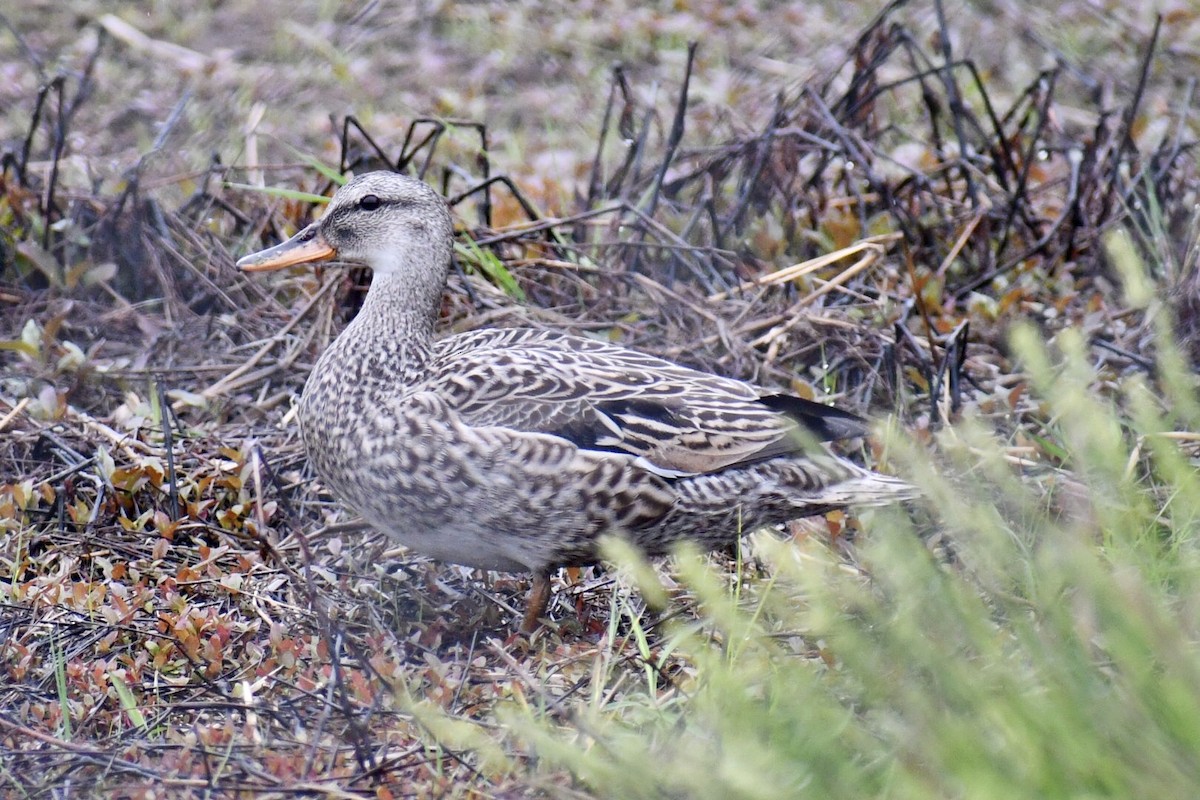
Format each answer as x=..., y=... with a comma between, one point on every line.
x=535, y=604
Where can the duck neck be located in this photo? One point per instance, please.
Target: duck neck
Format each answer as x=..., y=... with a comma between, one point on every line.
x=392, y=333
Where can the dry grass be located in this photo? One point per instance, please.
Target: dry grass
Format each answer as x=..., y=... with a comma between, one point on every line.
x=188, y=611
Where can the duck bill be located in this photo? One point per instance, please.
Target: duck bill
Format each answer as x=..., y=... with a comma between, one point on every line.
x=306, y=247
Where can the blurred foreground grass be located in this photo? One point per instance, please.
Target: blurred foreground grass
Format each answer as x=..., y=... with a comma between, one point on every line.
x=1047, y=649
x=1028, y=632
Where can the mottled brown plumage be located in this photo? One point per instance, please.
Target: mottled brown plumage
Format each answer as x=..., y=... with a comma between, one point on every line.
x=518, y=449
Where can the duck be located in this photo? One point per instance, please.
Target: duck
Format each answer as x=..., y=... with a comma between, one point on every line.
x=517, y=449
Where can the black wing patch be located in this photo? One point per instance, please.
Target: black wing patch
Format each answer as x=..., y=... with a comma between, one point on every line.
x=607, y=425
x=826, y=423
x=587, y=431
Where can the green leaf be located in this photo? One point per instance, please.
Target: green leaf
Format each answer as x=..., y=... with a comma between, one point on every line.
x=128, y=702
x=275, y=191
x=319, y=165
x=491, y=267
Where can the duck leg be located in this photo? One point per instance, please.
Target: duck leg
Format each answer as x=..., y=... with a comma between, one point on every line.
x=535, y=604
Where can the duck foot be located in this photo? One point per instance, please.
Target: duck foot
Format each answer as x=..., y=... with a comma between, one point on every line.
x=535, y=604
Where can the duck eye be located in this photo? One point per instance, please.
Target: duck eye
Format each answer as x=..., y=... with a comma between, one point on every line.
x=369, y=202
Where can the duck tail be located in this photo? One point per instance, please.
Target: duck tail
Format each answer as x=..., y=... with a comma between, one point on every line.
x=867, y=489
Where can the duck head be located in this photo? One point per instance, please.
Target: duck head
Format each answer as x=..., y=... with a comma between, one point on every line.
x=392, y=223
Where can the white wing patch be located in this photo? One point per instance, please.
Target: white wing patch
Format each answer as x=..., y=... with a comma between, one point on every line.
x=662, y=472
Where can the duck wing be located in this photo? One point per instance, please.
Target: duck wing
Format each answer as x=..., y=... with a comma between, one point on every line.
x=674, y=420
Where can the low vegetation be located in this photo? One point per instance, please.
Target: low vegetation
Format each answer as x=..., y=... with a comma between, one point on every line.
x=998, y=265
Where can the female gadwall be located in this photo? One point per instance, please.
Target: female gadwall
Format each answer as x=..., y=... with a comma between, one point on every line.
x=518, y=449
